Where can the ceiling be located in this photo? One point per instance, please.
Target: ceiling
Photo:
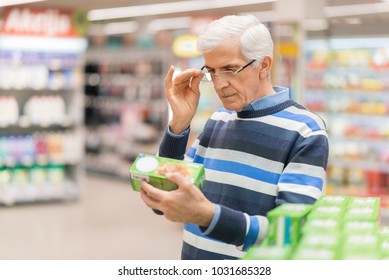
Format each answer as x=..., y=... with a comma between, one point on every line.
x=368, y=22
x=102, y=4
x=95, y=4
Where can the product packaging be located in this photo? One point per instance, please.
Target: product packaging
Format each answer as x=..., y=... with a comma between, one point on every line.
x=333, y=200
x=371, y=202
x=327, y=212
x=152, y=169
x=302, y=253
x=261, y=252
x=322, y=225
x=360, y=226
x=361, y=246
x=285, y=223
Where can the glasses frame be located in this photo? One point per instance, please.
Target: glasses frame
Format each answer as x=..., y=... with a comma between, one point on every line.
x=214, y=75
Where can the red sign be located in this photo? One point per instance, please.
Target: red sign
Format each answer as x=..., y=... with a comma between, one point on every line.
x=19, y=20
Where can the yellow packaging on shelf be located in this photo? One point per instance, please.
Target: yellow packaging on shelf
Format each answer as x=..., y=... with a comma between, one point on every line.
x=153, y=169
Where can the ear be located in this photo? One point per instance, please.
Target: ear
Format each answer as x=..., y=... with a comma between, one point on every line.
x=265, y=66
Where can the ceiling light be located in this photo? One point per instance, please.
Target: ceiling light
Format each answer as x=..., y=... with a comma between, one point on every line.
x=121, y=27
x=113, y=28
x=354, y=10
x=169, y=23
x=167, y=8
x=353, y=20
x=4, y=3
x=315, y=24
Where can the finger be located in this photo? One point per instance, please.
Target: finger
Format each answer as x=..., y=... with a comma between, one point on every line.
x=152, y=192
x=180, y=180
x=195, y=84
x=169, y=77
x=149, y=201
x=186, y=76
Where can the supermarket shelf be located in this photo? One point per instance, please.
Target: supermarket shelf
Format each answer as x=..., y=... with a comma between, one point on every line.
x=359, y=164
x=384, y=216
x=10, y=194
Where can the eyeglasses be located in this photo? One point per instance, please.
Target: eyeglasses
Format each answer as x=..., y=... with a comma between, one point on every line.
x=223, y=75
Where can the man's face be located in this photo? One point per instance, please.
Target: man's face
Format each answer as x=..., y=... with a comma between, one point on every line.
x=243, y=88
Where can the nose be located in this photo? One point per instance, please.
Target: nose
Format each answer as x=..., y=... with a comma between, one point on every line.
x=219, y=83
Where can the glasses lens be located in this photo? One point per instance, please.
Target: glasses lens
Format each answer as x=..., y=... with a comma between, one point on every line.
x=226, y=76
x=207, y=77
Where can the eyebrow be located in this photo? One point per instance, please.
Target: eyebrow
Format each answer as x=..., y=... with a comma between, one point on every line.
x=223, y=67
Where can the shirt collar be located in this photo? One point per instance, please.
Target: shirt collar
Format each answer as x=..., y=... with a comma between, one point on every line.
x=281, y=95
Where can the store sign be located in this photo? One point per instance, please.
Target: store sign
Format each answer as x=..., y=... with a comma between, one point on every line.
x=185, y=46
x=38, y=22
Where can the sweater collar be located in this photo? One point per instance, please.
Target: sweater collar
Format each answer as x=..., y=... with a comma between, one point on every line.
x=281, y=95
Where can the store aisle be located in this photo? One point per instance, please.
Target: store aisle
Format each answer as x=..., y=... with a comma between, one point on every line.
x=109, y=221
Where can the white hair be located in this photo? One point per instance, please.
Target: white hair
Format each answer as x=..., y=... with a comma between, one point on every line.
x=247, y=31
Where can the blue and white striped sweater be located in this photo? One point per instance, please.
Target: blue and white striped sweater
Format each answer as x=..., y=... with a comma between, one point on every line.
x=254, y=161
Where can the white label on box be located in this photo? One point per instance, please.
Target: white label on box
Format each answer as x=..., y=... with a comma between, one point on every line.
x=140, y=177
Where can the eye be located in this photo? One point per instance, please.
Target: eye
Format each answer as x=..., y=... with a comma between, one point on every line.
x=230, y=69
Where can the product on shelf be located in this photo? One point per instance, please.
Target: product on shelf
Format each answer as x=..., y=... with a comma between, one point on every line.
x=9, y=110
x=53, y=106
x=335, y=227
x=125, y=103
x=33, y=183
x=347, y=83
x=40, y=148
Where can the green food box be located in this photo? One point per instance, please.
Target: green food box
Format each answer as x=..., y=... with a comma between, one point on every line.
x=385, y=248
x=322, y=225
x=334, y=200
x=384, y=231
x=362, y=214
x=369, y=202
x=362, y=247
x=302, y=253
x=261, y=252
x=320, y=240
x=285, y=223
x=360, y=226
x=361, y=241
x=153, y=169
x=326, y=212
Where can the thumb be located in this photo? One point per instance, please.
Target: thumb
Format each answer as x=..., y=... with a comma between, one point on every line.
x=169, y=77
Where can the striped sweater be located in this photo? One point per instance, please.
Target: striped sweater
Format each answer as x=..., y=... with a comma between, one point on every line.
x=254, y=161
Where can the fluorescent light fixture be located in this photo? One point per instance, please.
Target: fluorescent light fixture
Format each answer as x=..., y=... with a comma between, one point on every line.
x=4, y=3
x=315, y=24
x=121, y=27
x=355, y=10
x=113, y=28
x=167, y=8
x=168, y=24
x=353, y=20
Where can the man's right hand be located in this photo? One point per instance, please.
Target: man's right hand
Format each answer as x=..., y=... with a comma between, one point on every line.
x=183, y=95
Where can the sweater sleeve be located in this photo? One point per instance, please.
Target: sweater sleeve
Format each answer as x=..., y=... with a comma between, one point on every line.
x=238, y=228
x=174, y=146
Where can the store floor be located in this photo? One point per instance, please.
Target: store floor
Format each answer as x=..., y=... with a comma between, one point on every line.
x=109, y=221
